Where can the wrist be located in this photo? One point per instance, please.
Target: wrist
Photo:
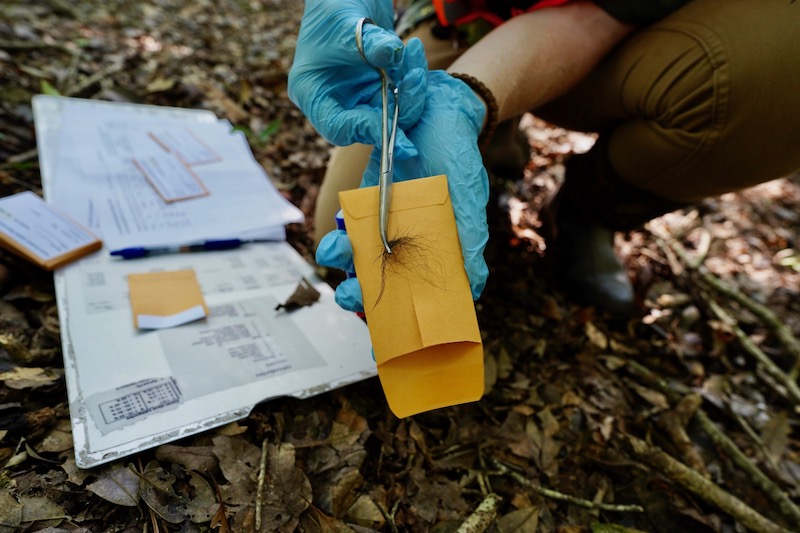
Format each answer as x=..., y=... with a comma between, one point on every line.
x=490, y=118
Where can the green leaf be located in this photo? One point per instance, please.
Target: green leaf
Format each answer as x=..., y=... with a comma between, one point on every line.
x=47, y=88
x=269, y=130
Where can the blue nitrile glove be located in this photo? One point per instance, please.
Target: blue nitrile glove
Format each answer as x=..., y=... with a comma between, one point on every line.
x=335, y=250
x=447, y=135
x=336, y=90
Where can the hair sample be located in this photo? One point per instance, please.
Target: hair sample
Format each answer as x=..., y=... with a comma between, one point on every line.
x=412, y=257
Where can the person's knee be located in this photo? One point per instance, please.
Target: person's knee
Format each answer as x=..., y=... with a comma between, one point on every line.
x=681, y=86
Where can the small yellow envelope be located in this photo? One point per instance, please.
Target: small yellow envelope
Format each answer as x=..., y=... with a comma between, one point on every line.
x=165, y=299
x=418, y=304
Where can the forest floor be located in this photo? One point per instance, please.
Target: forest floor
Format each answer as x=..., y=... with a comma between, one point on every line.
x=684, y=418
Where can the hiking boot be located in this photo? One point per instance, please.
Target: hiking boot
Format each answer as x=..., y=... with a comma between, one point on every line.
x=585, y=266
x=580, y=222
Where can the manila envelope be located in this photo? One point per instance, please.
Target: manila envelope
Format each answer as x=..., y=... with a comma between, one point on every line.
x=418, y=304
x=165, y=299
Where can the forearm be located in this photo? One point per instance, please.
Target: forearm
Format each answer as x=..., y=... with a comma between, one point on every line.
x=535, y=57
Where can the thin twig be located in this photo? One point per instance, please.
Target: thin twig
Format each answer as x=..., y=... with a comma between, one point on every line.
x=674, y=423
x=22, y=156
x=555, y=495
x=480, y=520
x=154, y=520
x=692, y=481
x=94, y=78
x=756, y=439
x=772, y=320
x=262, y=477
x=35, y=45
x=758, y=354
x=483, y=479
x=784, y=504
x=389, y=517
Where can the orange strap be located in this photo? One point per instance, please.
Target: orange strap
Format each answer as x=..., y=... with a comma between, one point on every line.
x=458, y=12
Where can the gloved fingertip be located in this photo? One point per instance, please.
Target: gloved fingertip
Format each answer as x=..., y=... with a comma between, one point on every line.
x=383, y=49
x=403, y=147
x=414, y=56
x=412, y=90
x=335, y=250
x=477, y=290
x=478, y=273
x=348, y=295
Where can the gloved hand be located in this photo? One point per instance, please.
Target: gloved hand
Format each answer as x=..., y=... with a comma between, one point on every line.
x=446, y=135
x=336, y=90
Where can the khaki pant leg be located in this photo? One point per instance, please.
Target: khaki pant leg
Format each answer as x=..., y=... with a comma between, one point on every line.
x=701, y=103
x=347, y=164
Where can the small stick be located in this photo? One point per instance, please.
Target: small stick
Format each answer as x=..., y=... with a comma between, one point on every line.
x=94, y=78
x=674, y=423
x=34, y=45
x=483, y=516
x=758, y=354
x=785, y=505
x=757, y=440
x=700, y=486
x=779, y=327
x=389, y=517
x=262, y=477
x=22, y=156
x=555, y=495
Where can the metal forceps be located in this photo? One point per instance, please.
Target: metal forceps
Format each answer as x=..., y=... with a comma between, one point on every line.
x=388, y=135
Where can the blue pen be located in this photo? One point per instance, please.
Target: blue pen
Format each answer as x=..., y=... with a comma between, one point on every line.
x=204, y=246
x=340, y=225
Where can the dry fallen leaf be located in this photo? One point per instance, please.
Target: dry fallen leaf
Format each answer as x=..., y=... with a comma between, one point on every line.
x=155, y=487
x=10, y=511
x=519, y=521
x=231, y=429
x=74, y=474
x=287, y=490
x=366, y=513
x=24, y=377
x=203, y=503
x=59, y=439
x=238, y=460
x=595, y=336
x=40, y=508
x=304, y=295
x=199, y=458
x=117, y=484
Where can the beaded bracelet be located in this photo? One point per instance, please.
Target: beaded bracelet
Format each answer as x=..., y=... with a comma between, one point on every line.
x=492, y=110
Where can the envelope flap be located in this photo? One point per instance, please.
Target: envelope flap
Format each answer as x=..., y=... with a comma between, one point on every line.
x=411, y=194
x=458, y=323
x=434, y=377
